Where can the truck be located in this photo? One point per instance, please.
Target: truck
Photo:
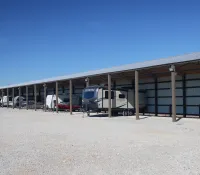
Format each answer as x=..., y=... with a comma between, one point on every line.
x=95, y=99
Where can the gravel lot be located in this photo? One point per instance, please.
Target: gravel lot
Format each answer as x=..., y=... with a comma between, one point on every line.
x=49, y=143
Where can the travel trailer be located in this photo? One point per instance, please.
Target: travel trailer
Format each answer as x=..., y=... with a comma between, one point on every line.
x=63, y=102
x=18, y=100
x=4, y=102
x=95, y=99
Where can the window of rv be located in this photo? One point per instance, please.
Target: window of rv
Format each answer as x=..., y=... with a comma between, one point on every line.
x=89, y=93
x=112, y=95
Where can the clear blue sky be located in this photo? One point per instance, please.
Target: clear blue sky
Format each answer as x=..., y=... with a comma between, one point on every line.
x=46, y=38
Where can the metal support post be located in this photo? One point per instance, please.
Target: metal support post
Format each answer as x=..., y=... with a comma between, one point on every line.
x=137, y=95
x=35, y=97
x=7, y=97
x=184, y=96
x=2, y=94
x=20, y=97
x=109, y=96
x=45, y=92
x=173, y=81
x=87, y=82
x=56, y=96
x=70, y=95
x=156, y=97
x=13, y=96
x=26, y=97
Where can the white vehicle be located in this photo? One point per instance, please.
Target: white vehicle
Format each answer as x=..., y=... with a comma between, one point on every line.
x=4, y=102
x=95, y=99
x=63, y=102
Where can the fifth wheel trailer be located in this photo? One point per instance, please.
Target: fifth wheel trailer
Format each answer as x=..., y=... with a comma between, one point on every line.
x=95, y=99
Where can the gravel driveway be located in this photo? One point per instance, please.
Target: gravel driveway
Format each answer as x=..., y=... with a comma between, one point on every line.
x=49, y=143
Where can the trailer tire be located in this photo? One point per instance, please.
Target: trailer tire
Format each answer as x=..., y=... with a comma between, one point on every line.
x=125, y=113
x=130, y=112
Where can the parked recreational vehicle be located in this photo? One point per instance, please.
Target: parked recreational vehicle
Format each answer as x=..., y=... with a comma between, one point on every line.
x=4, y=102
x=63, y=102
x=18, y=100
x=95, y=99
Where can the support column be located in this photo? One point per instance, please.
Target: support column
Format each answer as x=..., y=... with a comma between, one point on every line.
x=56, y=96
x=137, y=95
x=2, y=94
x=156, y=97
x=184, y=96
x=13, y=96
x=7, y=97
x=35, y=97
x=173, y=81
x=26, y=97
x=70, y=95
x=45, y=96
x=87, y=82
x=109, y=96
x=19, y=97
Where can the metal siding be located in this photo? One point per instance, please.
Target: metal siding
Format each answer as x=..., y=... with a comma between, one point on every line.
x=163, y=109
x=151, y=101
x=151, y=109
x=179, y=109
x=150, y=93
x=192, y=76
x=142, y=86
x=192, y=83
x=193, y=100
x=149, y=86
x=193, y=110
x=167, y=92
x=164, y=101
x=164, y=85
x=192, y=91
x=168, y=101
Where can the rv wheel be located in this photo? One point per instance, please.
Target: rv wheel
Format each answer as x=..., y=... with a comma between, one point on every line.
x=125, y=113
x=88, y=114
x=130, y=113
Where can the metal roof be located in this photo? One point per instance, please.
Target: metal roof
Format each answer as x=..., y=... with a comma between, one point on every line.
x=134, y=66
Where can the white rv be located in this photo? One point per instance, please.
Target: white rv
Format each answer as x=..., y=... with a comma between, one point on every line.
x=95, y=99
x=63, y=102
x=4, y=101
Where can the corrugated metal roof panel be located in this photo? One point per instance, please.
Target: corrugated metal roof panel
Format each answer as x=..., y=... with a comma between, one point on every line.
x=134, y=66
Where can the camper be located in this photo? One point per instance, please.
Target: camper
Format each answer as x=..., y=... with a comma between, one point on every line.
x=63, y=102
x=4, y=102
x=18, y=100
x=95, y=99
